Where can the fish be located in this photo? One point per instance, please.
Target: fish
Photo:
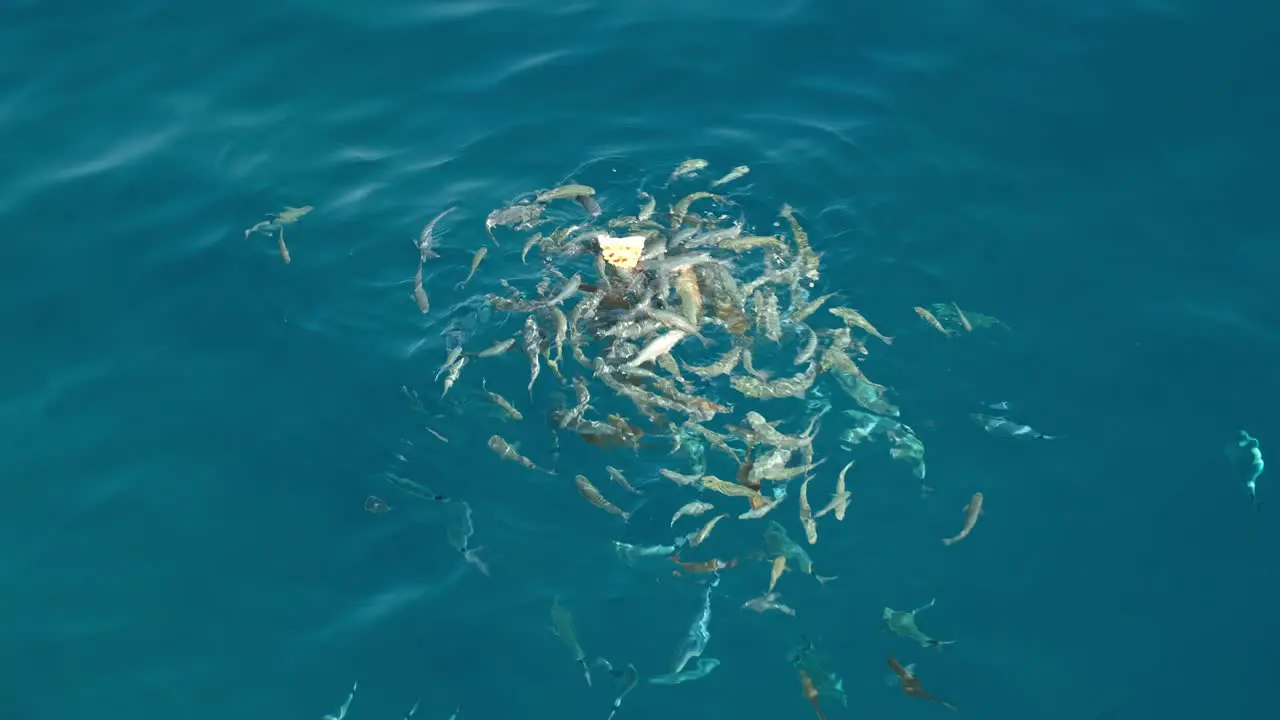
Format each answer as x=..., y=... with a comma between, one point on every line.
x=681, y=208
x=933, y=321
x=775, y=572
x=810, y=347
x=570, y=288
x=564, y=192
x=521, y=215
x=631, y=553
x=533, y=240
x=475, y=263
x=964, y=320
x=715, y=484
x=766, y=305
x=811, y=693
x=807, y=261
x=689, y=168
x=752, y=242
x=1005, y=427
x=560, y=328
x=767, y=434
x=454, y=353
x=676, y=321
x=650, y=204
x=1245, y=454
x=765, y=508
x=697, y=507
x=629, y=677
x=346, y=704
x=804, y=311
x=854, y=318
x=497, y=348
x=806, y=514
x=616, y=475
x=702, y=534
x=706, y=566
x=767, y=602
x=504, y=450
x=703, y=668
x=732, y=175
x=426, y=241
x=589, y=204
x=459, y=533
x=903, y=624
x=420, y=293
x=723, y=365
x=532, y=345
x=971, y=513
x=451, y=375
x=501, y=402
x=678, y=478
x=594, y=497
x=840, y=498
x=562, y=626
x=795, y=386
x=662, y=344
x=911, y=685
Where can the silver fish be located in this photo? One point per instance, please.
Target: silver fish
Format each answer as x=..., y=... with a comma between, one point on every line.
x=497, y=348
x=452, y=375
x=659, y=345
x=532, y=345
x=427, y=238
x=903, y=624
x=732, y=175
x=722, y=366
x=697, y=507
x=449, y=360
x=569, y=290
x=689, y=168
x=504, y=450
x=565, y=192
x=650, y=204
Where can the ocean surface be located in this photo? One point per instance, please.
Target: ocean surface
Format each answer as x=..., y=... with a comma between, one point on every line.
x=189, y=427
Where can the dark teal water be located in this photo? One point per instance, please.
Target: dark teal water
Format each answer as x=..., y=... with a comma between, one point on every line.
x=188, y=427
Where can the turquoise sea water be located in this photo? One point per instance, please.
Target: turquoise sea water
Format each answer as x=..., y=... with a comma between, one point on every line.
x=189, y=427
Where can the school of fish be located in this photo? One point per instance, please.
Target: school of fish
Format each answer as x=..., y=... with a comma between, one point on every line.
x=702, y=339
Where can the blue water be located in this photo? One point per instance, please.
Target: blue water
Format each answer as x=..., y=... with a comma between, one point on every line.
x=188, y=426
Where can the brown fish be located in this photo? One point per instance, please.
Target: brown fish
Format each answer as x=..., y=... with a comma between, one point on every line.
x=933, y=321
x=811, y=694
x=806, y=514
x=616, y=475
x=594, y=497
x=779, y=566
x=706, y=566
x=840, y=498
x=912, y=686
x=971, y=513
x=504, y=450
x=701, y=536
